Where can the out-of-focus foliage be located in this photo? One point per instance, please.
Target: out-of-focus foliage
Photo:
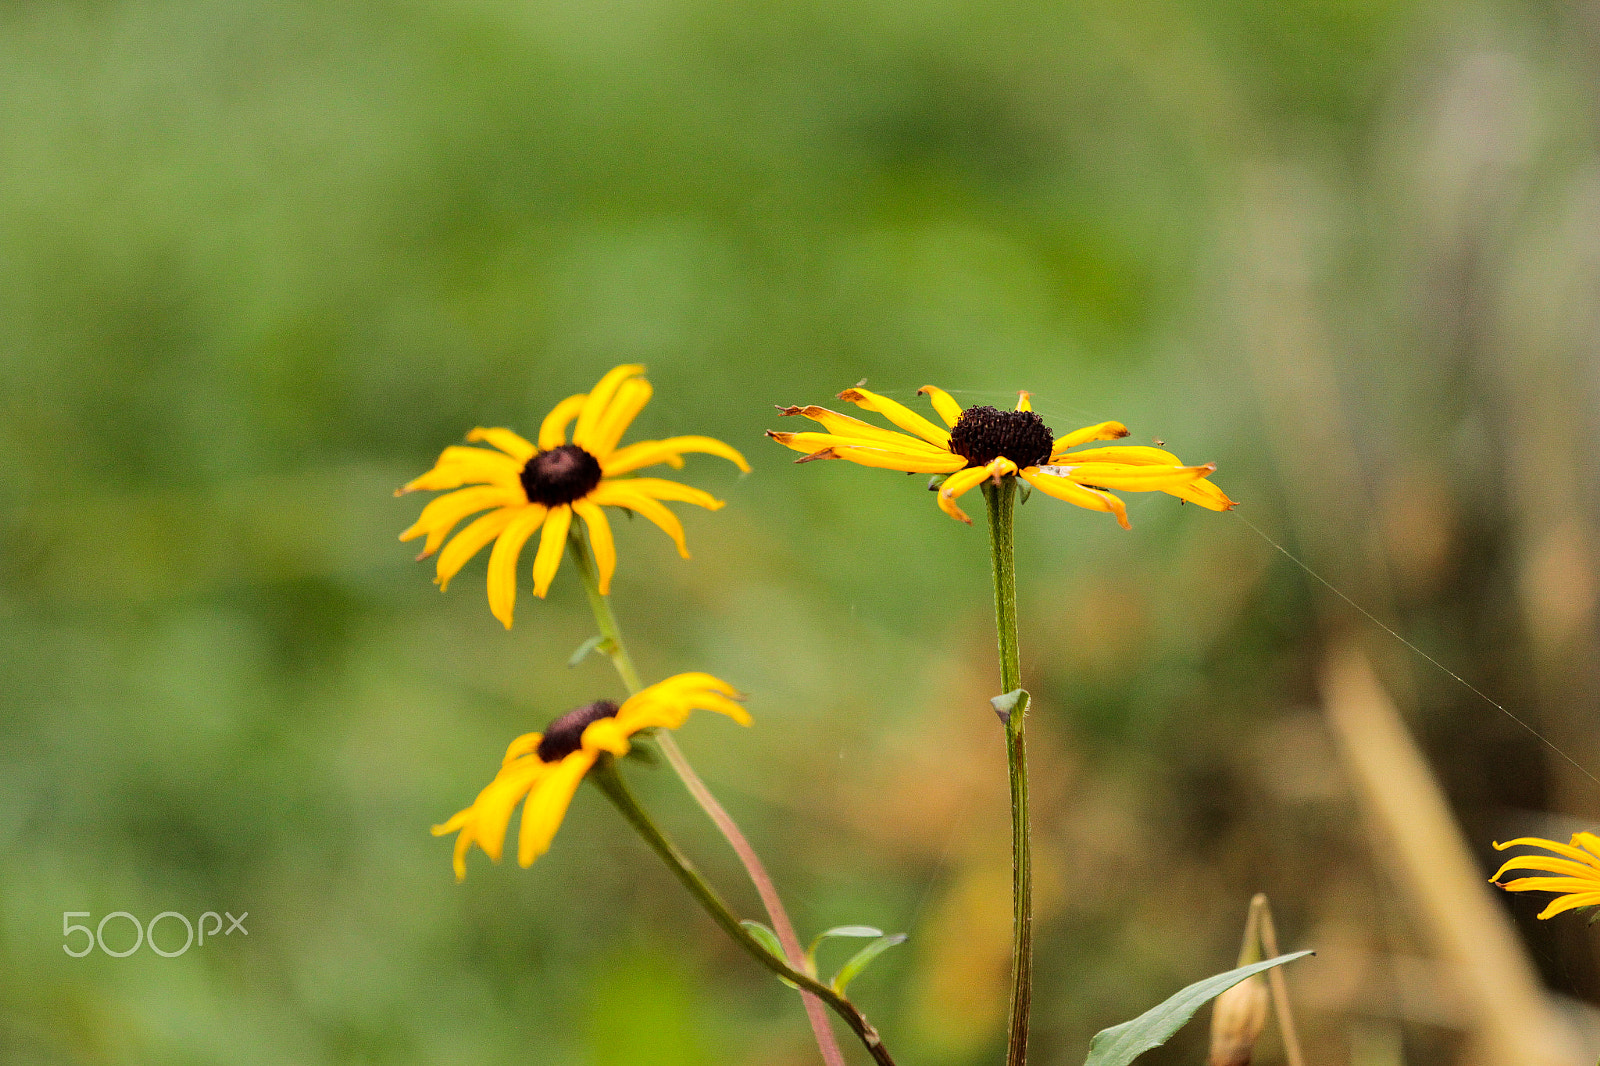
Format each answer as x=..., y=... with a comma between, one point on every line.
x=260, y=262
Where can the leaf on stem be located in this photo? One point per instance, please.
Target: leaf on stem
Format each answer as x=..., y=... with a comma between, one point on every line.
x=770, y=941
x=604, y=645
x=850, y=970
x=1010, y=703
x=838, y=930
x=1121, y=1044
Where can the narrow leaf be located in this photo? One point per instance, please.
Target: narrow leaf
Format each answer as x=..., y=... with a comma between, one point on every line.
x=838, y=930
x=1121, y=1044
x=850, y=970
x=585, y=648
x=770, y=941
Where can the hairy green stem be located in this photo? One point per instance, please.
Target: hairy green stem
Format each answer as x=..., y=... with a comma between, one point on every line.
x=610, y=782
x=617, y=652
x=1001, y=499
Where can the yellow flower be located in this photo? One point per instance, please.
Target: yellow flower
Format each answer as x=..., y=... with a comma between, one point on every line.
x=1577, y=873
x=547, y=767
x=529, y=486
x=982, y=443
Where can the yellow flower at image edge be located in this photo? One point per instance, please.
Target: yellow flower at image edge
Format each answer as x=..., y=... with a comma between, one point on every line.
x=982, y=443
x=547, y=767
x=525, y=486
x=1576, y=872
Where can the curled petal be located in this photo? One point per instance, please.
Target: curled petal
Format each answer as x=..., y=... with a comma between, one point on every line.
x=631, y=397
x=942, y=402
x=1102, y=431
x=1070, y=491
x=899, y=414
x=553, y=430
x=669, y=451
x=599, y=402
x=511, y=443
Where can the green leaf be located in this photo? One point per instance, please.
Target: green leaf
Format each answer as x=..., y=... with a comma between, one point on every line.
x=1011, y=703
x=594, y=643
x=1121, y=1044
x=838, y=930
x=770, y=941
x=850, y=970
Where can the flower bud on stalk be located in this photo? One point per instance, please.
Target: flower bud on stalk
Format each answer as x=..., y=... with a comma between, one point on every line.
x=1237, y=1018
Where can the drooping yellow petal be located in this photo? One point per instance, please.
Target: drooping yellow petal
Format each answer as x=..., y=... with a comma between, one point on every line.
x=442, y=513
x=899, y=414
x=631, y=397
x=1071, y=492
x=1205, y=494
x=526, y=744
x=503, y=561
x=459, y=465
x=659, y=488
x=617, y=494
x=552, y=542
x=947, y=408
x=955, y=486
x=1131, y=478
x=1132, y=454
x=547, y=805
x=1568, y=903
x=599, y=402
x=470, y=542
x=600, y=539
x=512, y=444
x=861, y=432
x=495, y=803
x=553, y=430
x=1574, y=853
x=669, y=451
x=1102, y=431
x=1551, y=864
x=1024, y=401
x=608, y=734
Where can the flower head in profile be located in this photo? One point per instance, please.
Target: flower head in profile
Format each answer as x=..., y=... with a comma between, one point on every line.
x=524, y=486
x=1575, y=874
x=543, y=770
x=980, y=443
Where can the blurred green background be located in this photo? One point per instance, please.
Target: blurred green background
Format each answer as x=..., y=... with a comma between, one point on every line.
x=259, y=263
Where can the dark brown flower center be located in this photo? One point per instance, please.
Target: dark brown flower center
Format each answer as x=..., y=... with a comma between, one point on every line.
x=564, y=736
x=983, y=434
x=560, y=475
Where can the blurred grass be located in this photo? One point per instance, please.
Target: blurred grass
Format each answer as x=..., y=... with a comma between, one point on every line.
x=261, y=264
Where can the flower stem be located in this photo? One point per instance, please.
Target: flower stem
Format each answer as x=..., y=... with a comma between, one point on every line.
x=617, y=652
x=610, y=782
x=1001, y=499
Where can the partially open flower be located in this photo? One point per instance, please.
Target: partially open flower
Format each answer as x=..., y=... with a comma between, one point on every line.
x=983, y=443
x=547, y=767
x=1237, y=1018
x=524, y=487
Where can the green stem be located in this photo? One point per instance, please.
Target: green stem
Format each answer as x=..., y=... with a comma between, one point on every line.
x=1001, y=499
x=617, y=652
x=610, y=782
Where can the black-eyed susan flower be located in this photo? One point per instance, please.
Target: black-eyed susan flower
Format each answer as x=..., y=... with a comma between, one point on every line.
x=525, y=486
x=547, y=767
x=981, y=443
x=1575, y=874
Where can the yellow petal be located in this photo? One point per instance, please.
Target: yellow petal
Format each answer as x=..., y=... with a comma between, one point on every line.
x=1550, y=864
x=1572, y=902
x=616, y=494
x=459, y=465
x=1024, y=401
x=899, y=414
x=503, y=561
x=511, y=443
x=526, y=744
x=955, y=486
x=885, y=458
x=947, y=408
x=1102, y=431
x=1073, y=493
x=1132, y=454
x=599, y=402
x=631, y=397
x=552, y=542
x=470, y=542
x=649, y=452
x=600, y=539
x=1205, y=494
x=846, y=426
x=608, y=734
x=442, y=514
x=495, y=803
x=553, y=430
x=1575, y=854
x=547, y=804
x=1131, y=478
x=658, y=488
